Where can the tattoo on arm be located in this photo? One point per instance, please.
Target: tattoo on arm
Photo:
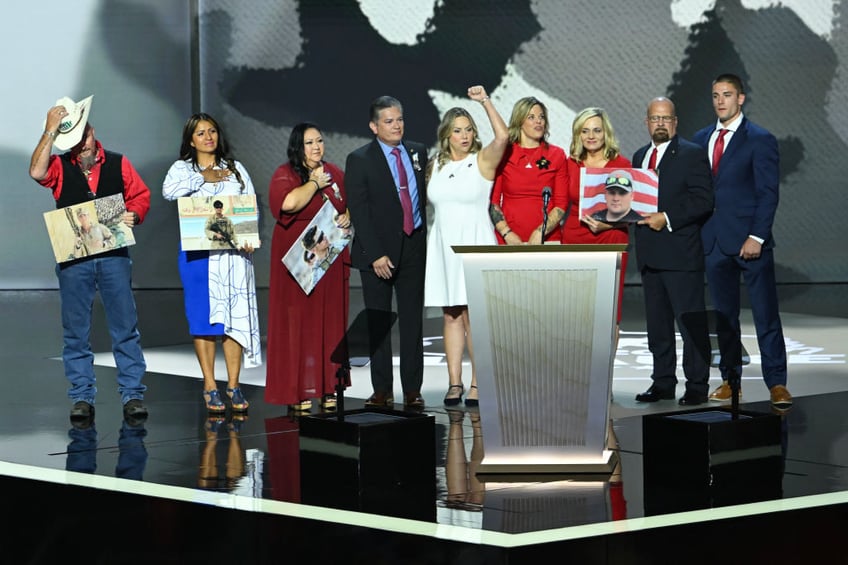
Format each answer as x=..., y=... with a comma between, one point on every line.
x=496, y=214
x=555, y=216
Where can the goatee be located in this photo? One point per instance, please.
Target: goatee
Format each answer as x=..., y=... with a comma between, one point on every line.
x=87, y=161
x=660, y=136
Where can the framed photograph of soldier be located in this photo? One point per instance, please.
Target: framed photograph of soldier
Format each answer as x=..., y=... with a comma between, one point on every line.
x=218, y=222
x=318, y=246
x=617, y=196
x=88, y=228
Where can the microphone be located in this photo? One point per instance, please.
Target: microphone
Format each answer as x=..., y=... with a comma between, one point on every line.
x=546, y=198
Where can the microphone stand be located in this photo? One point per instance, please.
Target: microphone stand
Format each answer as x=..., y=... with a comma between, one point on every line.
x=546, y=197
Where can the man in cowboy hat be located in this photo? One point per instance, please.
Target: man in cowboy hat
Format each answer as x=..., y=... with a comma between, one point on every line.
x=84, y=172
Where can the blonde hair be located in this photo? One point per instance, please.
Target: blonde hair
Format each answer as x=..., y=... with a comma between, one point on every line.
x=520, y=112
x=445, y=131
x=611, y=147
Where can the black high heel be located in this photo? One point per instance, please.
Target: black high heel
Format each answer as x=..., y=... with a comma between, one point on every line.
x=451, y=400
x=472, y=402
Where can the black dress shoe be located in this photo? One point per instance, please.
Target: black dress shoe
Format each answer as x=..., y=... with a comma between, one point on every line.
x=653, y=394
x=692, y=399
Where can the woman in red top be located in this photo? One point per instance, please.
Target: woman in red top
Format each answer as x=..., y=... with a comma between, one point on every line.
x=530, y=165
x=593, y=144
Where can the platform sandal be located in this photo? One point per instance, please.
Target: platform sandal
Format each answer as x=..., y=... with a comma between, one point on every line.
x=213, y=400
x=302, y=406
x=329, y=402
x=237, y=399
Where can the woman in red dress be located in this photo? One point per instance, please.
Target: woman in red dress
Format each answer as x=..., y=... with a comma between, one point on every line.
x=530, y=165
x=305, y=329
x=593, y=144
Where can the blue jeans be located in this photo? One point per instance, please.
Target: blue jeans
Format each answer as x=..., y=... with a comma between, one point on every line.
x=78, y=281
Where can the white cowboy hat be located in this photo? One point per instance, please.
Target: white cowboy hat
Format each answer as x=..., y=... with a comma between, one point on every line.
x=73, y=125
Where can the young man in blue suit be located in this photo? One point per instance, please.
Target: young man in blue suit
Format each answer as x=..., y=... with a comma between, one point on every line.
x=738, y=237
x=670, y=257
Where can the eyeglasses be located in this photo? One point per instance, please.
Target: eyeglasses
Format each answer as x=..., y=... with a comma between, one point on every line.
x=658, y=119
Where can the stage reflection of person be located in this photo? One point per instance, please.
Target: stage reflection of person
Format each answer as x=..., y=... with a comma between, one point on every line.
x=132, y=454
x=305, y=329
x=459, y=183
x=219, y=286
x=465, y=490
x=283, y=465
x=530, y=165
x=209, y=476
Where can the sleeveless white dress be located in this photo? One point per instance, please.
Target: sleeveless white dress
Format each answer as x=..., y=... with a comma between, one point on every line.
x=460, y=198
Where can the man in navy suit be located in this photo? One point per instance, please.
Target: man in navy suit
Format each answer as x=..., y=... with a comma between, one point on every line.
x=389, y=247
x=670, y=257
x=738, y=237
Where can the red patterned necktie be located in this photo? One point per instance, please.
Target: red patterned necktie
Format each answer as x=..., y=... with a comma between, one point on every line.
x=405, y=200
x=652, y=162
x=718, y=150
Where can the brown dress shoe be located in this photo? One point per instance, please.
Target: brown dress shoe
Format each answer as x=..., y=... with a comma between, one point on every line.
x=413, y=400
x=780, y=397
x=723, y=392
x=380, y=399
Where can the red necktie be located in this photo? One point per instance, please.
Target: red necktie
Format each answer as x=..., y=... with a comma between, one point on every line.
x=718, y=150
x=652, y=162
x=405, y=200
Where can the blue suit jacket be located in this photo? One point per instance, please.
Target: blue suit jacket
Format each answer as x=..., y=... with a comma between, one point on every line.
x=746, y=188
x=686, y=196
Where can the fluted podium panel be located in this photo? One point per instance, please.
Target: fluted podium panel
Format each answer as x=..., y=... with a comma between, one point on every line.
x=543, y=323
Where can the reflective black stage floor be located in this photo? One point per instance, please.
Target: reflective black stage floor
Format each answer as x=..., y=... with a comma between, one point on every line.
x=184, y=488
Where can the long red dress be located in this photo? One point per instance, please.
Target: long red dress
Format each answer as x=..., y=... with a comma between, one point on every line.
x=303, y=330
x=522, y=175
x=575, y=231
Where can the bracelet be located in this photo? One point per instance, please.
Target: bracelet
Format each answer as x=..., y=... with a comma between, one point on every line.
x=508, y=231
x=50, y=134
x=483, y=101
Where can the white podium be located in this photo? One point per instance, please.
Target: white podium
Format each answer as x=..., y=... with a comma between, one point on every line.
x=543, y=327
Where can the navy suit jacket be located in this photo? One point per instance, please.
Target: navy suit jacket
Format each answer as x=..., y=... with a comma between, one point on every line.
x=686, y=196
x=746, y=188
x=374, y=203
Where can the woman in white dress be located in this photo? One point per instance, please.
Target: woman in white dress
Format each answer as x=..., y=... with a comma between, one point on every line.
x=219, y=286
x=459, y=186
